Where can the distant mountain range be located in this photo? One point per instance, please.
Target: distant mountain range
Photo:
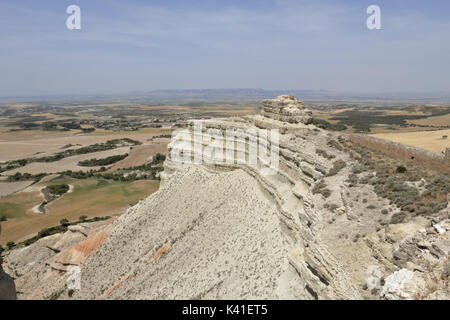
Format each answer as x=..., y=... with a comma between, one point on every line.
x=201, y=96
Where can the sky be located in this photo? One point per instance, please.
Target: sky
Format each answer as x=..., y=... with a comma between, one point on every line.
x=137, y=45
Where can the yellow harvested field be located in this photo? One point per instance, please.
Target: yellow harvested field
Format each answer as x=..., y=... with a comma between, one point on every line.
x=26, y=144
x=433, y=121
x=140, y=154
x=429, y=140
x=389, y=130
x=69, y=163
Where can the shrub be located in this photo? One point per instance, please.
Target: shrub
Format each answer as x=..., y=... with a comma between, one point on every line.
x=400, y=169
x=64, y=222
x=409, y=207
x=334, y=144
x=446, y=269
x=58, y=189
x=398, y=217
x=320, y=187
x=352, y=180
x=10, y=245
x=326, y=192
x=55, y=295
x=324, y=154
x=338, y=165
x=331, y=206
x=384, y=211
x=3, y=218
x=371, y=207
x=323, y=124
x=102, y=162
x=83, y=218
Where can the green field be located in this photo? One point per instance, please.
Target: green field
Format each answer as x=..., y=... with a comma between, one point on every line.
x=90, y=197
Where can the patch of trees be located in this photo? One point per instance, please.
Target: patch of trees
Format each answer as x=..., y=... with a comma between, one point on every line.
x=56, y=189
x=102, y=162
x=108, y=145
x=362, y=121
x=25, y=177
x=160, y=136
x=147, y=171
x=323, y=124
x=70, y=125
x=49, y=126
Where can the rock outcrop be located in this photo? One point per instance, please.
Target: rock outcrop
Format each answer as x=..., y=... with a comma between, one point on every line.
x=41, y=270
x=256, y=228
x=288, y=109
x=226, y=230
x=7, y=286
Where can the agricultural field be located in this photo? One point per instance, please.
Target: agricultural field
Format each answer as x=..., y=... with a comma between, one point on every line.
x=69, y=163
x=7, y=188
x=435, y=141
x=89, y=197
x=107, y=156
x=24, y=144
x=100, y=158
x=423, y=126
x=382, y=119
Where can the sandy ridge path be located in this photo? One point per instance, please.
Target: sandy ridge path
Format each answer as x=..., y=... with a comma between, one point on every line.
x=35, y=209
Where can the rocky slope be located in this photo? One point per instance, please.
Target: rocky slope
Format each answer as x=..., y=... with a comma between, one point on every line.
x=233, y=231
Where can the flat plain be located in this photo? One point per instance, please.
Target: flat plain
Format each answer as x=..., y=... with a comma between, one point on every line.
x=43, y=130
x=428, y=140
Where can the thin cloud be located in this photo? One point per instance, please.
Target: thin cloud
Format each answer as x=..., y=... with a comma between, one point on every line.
x=292, y=44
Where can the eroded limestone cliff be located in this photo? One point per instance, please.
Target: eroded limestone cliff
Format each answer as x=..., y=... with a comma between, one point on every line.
x=222, y=230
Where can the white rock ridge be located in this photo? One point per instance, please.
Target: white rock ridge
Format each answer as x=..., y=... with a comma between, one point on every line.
x=228, y=231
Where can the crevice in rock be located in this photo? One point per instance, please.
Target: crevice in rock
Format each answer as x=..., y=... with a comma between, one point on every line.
x=317, y=274
x=53, y=249
x=312, y=292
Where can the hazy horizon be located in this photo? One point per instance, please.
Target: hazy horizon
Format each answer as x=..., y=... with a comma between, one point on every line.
x=418, y=94
x=145, y=46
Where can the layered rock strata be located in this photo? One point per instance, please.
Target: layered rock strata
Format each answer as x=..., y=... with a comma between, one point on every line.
x=227, y=223
x=287, y=109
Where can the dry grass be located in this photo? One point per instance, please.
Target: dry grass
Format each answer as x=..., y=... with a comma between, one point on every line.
x=429, y=140
x=433, y=121
x=7, y=188
x=375, y=130
x=25, y=144
x=69, y=163
x=140, y=154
